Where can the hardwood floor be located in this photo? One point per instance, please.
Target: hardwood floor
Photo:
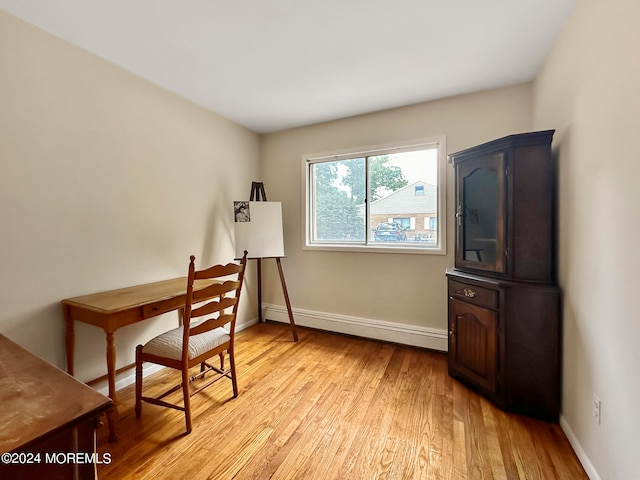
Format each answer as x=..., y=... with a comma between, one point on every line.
x=333, y=407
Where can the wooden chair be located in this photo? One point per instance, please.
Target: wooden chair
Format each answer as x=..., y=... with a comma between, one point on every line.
x=197, y=340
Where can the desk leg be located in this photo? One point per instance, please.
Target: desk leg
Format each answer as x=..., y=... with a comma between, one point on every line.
x=260, y=319
x=286, y=299
x=112, y=413
x=70, y=338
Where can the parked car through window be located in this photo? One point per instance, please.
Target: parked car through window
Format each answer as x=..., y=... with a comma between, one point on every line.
x=389, y=232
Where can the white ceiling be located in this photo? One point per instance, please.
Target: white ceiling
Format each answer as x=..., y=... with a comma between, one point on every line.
x=276, y=64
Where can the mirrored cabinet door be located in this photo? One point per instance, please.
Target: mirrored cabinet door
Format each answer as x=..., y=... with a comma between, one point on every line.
x=480, y=213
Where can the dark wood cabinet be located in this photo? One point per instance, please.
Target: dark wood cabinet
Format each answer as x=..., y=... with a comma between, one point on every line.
x=504, y=335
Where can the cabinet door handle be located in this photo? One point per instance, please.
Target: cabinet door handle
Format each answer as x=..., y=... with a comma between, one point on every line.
x=467, y=292
x=459, y=215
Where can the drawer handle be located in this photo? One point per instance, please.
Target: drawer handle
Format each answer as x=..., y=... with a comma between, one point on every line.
x=467, y=292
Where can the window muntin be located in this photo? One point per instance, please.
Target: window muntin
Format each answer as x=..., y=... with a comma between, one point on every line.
x=349, y=194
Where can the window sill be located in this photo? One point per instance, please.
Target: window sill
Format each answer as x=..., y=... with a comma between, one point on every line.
x=397, y=249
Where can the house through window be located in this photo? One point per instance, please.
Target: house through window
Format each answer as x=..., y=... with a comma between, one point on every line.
x=378, y=198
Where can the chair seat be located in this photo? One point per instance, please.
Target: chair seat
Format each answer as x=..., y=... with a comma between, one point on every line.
x=169, y=344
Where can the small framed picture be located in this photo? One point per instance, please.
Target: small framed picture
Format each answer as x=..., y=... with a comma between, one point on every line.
x=241, y=211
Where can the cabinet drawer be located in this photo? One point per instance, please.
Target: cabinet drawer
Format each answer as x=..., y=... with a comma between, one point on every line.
x=473, y=294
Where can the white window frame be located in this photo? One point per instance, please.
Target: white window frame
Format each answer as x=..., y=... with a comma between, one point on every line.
x=395, y=147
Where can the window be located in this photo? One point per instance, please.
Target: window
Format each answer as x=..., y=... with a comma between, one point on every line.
x=384, y=198
x=404, y=222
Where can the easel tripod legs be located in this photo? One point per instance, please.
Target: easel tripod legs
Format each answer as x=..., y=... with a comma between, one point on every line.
x=292, y=322
x=286, y=299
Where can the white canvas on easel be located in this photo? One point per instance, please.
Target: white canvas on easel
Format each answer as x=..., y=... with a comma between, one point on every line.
x=258, y=229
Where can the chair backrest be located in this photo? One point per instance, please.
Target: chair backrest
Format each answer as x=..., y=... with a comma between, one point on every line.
x=213, y=301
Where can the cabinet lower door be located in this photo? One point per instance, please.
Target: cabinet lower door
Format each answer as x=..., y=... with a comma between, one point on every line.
x=473, y=346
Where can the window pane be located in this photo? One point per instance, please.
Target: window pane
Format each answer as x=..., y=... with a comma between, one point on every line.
x=338, y=201
x=404, y=197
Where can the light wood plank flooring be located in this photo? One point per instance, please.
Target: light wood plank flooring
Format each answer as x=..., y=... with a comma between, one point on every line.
x=333, y=407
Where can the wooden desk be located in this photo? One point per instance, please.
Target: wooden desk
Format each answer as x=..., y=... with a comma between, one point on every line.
x=118, y=308
x=45, y=411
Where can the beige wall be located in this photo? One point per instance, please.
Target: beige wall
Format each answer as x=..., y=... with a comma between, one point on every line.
x=398, y=288
x=106, y=181
x=589, y=90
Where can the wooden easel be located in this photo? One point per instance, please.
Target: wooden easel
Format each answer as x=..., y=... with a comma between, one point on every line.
x=258, y=194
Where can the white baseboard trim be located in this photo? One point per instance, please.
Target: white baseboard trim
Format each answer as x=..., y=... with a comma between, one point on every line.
x=592, y=473
x=247, y=324
x=129, y=376
x=430, y=338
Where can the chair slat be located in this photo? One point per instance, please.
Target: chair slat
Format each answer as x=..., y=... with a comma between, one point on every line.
x=215, y=290
x=213, y=307
x=218, y=271
x=210, y=324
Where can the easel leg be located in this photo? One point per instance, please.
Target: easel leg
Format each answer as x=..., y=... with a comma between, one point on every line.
x=286, y=299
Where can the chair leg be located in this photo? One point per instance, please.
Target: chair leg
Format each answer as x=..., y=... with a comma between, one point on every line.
x=234, y=381
x=186, y=398
x=221, y=354
x=138, y=381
